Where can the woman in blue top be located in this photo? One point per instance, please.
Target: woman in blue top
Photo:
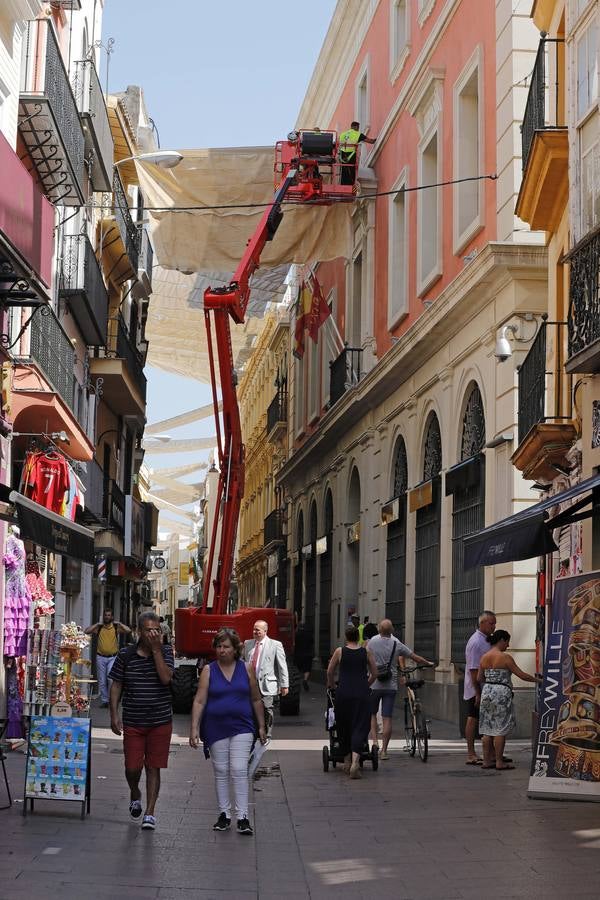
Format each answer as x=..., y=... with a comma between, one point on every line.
x=223, y=707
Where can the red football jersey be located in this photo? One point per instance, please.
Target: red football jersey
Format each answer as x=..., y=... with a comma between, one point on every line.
x=47, y=481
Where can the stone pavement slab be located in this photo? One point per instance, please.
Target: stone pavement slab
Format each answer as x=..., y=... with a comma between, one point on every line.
x=439, y=831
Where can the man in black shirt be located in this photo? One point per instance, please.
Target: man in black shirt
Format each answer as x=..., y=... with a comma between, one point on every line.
x=142, y=674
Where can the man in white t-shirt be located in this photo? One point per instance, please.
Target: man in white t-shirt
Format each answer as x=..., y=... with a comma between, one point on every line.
x=477, y=645
x=388, y=650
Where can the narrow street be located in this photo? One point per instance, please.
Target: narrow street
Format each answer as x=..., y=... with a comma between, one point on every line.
x=440, y=830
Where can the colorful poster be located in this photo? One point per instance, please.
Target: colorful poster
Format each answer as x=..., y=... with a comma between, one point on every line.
x=566, y=763
x=57, y=758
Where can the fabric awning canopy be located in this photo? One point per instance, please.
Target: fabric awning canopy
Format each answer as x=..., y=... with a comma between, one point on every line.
x=54, y=532
x=197, y=246
x=528, y=533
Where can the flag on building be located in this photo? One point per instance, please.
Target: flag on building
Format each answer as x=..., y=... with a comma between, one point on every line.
x=319, y=310
x=311, y=311
x=303, y=309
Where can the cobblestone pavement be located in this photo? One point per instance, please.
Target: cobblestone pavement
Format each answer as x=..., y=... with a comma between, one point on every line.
x=440, y=830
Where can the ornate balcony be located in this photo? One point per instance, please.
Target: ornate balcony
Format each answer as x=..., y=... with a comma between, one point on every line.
x=93, y=482
x=345, y=373
x=546, y=430
x=146, y=259
x=277, y=413
x=48, y=119
x=82, y=286
x=113, y=510
x=544, y=139
x=121, y=237
x=119, y=371
x=584, y=306
x=96, y=127
x=273, y=532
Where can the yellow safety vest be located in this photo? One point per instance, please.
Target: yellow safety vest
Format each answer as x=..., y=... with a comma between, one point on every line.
x=348, y=137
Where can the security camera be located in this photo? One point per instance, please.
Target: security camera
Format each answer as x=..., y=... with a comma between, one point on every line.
x=503, y=349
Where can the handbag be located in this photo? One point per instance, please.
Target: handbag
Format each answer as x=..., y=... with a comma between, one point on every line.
x=384, y=672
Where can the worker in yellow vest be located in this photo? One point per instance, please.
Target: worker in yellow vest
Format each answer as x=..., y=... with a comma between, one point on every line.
x=348, y=142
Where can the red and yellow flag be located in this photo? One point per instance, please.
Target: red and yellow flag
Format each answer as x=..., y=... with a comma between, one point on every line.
x=319, y=310
x=311, y=312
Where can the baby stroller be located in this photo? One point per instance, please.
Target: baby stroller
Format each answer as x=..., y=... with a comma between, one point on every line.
x=333, y=753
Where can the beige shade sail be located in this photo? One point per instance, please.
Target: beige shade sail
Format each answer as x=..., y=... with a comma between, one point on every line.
x=190, y=235
x=197, y=247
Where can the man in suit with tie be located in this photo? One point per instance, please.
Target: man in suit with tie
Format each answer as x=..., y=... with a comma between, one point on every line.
x=267, y=657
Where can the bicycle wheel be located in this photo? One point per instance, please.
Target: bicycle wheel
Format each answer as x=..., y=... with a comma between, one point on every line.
x=409, y=728
x=422, y=735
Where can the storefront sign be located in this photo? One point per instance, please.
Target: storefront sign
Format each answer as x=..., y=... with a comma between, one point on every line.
x=49, y=530
x=566, y=763
x=58, y=755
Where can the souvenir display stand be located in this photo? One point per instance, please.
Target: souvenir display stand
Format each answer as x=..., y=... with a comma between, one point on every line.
x=58, y=761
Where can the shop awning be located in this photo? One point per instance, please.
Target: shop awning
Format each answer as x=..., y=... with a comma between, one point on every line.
x=54, y=532
x=528, y=533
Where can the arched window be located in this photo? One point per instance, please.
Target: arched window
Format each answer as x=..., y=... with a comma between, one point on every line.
x=427, y=548
x=325, y=637
x=298, y=566
x=395, y=581
x=311, y=572
x=466, y=482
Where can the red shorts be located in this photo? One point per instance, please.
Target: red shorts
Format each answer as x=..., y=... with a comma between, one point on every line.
x=147, y=746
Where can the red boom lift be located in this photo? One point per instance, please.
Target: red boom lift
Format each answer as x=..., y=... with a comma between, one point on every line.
x=308, y=169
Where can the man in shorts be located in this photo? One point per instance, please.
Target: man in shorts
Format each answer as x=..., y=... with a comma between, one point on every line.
x=477, y=645
x=388, y=651
x=142, y=675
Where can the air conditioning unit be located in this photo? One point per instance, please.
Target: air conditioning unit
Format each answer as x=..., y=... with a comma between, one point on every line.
x=353, y=533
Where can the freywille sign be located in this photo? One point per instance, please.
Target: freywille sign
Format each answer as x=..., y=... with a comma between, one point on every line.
x=566, y=762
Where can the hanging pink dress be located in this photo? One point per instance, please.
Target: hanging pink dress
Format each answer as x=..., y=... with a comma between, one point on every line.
x=17, y=599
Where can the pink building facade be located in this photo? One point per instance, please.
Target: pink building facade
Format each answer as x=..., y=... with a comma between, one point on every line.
x=396, y=408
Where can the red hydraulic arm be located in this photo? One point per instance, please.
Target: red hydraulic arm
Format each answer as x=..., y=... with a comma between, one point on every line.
x=300, y=162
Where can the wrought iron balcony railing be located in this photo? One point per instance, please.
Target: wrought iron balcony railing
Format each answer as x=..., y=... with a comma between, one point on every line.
x=277, y=411
x=48, y=119
x=114, y=506
x=272, y=528
x=83, y=287
x=96, y=126
x=127, y=227
x=345, y=373
x=121, y=346
x=93, y=482
x=543, y=388
x=537, y=115
x=584, y=305
x=146, y=258
x=53, y=352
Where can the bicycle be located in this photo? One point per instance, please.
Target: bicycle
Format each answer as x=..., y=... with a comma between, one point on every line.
x=416, y=726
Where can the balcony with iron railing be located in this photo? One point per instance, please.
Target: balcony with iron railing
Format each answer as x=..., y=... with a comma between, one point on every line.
x=94, y=482
x=584, y=305
x=345, y=373
x=544, y=140
x=128, y=229
x=273, y=531
x=277, y=413
x=118, y=371
x=113, y=510
x=49, y=123
x=52, y=351
x=83, y=288
x=545, y=422
x=99, y=143
x=146, y=259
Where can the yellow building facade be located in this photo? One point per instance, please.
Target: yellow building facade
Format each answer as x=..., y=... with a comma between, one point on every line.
x=263, y=407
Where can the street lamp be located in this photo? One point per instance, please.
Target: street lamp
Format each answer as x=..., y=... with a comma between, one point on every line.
x=166, y=159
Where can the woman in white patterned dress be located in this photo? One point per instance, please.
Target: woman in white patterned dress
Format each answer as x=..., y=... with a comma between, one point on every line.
x=496, y=713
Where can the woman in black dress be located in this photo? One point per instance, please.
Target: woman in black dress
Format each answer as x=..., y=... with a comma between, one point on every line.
x=357, y=671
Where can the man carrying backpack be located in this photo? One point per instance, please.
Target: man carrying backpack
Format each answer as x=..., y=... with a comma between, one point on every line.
x=142, y=675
